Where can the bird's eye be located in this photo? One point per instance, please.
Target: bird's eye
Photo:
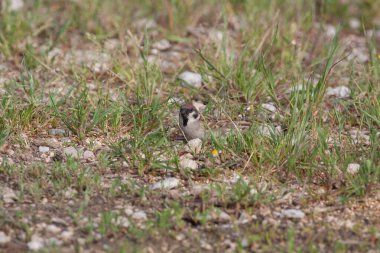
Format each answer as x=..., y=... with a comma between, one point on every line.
x=195, y=115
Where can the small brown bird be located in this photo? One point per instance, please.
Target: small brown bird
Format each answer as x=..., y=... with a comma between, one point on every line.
x=190, y=122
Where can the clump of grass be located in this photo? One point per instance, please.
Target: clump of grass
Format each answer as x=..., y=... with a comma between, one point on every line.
x=83, y=116
x=4, y=131
x=362, y=183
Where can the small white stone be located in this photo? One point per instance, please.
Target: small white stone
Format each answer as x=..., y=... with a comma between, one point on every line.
x=216, y=36
x=340, y=92
x=188, y=164
x=54, y=53
x=10, y=152
x=36, y=243
x=269, y=106
x=59, y=221
x=330, y=31
x=253, y=191
x=123, y=222
x=111, y=44
x=9, y=196
x=354, y=23
x=14, y=5
x=190, y=79
x=67, y=235
x=70, y=193
x=145, y=23
x=128, y=210
x=166, y=184
x=353, y=168
x=43, y=149
x=88, y=155
x=199, y=188
x=218, y=216
x=162, y=45
x=139, y=215
x=360, y=136
x=53, y=229
x=71, y=151
x=293, y=213
x=194, y=146
x=360, y=54
x=268, y=130
x=57, y=131
x=175, y=100
x=91, y=86
x=4, y=238
x=244, y=218
x=199, y=105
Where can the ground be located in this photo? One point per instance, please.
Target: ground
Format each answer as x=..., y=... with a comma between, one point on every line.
x=92, y=158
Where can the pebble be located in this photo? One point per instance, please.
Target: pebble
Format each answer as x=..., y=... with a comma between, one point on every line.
x=340, y=92
x=26, y=157
x=53, y=229
x=128, y=210
x=197, y=189
x=123, y=222
x=353, y=168
x=188, y=164
x=218, y=216
x=199, y=105
x=36, y=243
x=293, y=213
x=70, y=193
x=360, y=54
x=49, y=142
x=59, y=221
x=111, y=44
x=360, y=136
x=57, y=131
x=4, y=238
x=194, y=146
x=190, y=79
x=88, y=155
x=330, y=31
x=98, y=62
x=9, y=196
x=91, y=86
x=175, y=101
x=166, y=184
x=269, y=106
x=14, y=5
x=244, y=218
x=55, y=52
x=267, y=130
x=67, y=234
x=10, y=152
x=162, y=45
x=139, y=215
x=43, y=149
x=145, y=23
x=354, y=23
x=71, y=151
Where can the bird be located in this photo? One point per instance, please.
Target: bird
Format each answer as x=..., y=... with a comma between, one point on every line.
x=190, y=122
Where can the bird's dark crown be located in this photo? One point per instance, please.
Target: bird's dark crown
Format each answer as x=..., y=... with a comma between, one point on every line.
x=185, y=111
